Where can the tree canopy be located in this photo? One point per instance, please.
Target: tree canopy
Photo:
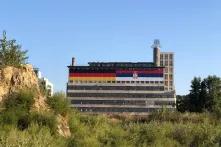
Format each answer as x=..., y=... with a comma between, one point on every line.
x=205, y=95
x=11, y=53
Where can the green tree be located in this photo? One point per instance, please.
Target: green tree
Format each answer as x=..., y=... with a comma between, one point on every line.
x=11, y=53
x=194, y=96
x=182, y=103
x=205, y=102
x=205, y=95
x=213, y=89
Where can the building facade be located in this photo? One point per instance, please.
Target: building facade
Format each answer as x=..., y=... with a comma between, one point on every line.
x=44, y=83
x=164, y=59
x=116, y=87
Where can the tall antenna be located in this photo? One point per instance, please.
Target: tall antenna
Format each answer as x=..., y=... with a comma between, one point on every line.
x=156, y=44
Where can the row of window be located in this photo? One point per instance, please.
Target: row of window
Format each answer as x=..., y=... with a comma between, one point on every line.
x=169, y=70
x=123, y=82
x=123, y=95
x=122, y=102
x=166, y=56
x=112, y=110
x=166, y=76
x=166, y=63
x=169, y=83
x=124, y=87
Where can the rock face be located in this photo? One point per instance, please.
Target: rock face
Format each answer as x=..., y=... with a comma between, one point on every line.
x=13, y=79
x=63, y=127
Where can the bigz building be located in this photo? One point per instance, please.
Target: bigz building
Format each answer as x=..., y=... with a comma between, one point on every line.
x=116, y=87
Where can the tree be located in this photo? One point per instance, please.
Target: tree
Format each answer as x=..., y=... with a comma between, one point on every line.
x=182, y=103
x=213, y=90
x=205, y=95
x=11, y=53
x=194, y=96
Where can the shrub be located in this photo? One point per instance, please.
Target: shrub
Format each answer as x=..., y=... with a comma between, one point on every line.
x=23, y=99
x=34, y=136
x=58, y=103
x=11, y=116
x=182, y=134
x=23, y=122
x=45, y=119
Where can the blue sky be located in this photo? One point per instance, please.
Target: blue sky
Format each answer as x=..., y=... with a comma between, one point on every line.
x=116, y=30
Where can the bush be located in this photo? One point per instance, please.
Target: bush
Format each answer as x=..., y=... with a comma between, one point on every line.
x=58, y=103
x=23, y=99
x=34, y=136
x=46, y=120
x=23, y=122
x=11, y=116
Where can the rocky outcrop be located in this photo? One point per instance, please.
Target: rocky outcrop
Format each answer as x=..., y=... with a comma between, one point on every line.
x=13, y=79
x=63, y=127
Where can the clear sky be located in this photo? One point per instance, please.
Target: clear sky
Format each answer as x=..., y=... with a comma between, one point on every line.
x=116, y=30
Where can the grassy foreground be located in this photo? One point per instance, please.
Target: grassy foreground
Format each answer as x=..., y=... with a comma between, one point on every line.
x=19, y=126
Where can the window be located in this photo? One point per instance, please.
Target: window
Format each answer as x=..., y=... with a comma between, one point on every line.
x=171, y=70
x=171, y=83
x=166, y=76
x=171, y=63
x=171, y=56
x=171, y=76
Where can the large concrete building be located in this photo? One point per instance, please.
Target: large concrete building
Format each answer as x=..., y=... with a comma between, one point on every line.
x=115, y=87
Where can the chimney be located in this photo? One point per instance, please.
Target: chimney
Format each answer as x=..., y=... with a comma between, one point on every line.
x=156, y=52
x=73, y=62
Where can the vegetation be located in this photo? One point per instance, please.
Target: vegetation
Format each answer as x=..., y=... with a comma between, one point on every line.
x=11, y=53
x=59, y=103
x=205, y=95
x=20, y=126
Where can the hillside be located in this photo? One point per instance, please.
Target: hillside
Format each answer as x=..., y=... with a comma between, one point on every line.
x=13, y=79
